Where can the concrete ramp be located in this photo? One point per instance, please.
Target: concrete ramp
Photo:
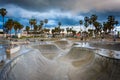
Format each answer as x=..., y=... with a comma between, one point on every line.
x=50, y=51
x=107, y=45
x=79, y=56
x=101, y=68
x=63, y=44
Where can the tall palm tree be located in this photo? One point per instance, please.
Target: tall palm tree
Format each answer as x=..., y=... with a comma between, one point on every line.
x=97, y=26
x=59, y=24
x=53, y=32
x=27, y=29
x=42, y=23
x=46, y=21
x=90, y=22
x=16, y=25
x=3, y=12
x=105, y=26
x=111, y=21
x=93, y=19
x=32, y=22
x=67, y=30
x=35, y=29
x=9, y=25
x=81, y=23
x=86, y=23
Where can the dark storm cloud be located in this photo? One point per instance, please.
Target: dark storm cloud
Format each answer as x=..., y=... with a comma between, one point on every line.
x=103, y=15
x=63, y=10
x=39, y=5
x=70, y=5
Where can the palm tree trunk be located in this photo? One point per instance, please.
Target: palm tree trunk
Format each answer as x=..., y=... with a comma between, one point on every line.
x=3, y=26
x=10, y=35
x=15, y=33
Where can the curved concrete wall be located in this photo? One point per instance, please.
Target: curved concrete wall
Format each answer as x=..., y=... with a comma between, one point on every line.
x=13, y=50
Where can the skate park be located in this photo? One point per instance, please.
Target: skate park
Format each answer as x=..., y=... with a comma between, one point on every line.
x=64, y=60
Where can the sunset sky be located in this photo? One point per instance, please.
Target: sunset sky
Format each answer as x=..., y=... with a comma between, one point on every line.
x=68, y=12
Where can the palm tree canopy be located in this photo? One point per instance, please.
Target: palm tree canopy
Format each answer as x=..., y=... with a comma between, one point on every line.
x=27, y=28
x=93, y=17
x=35, y=27
x=3, y=11
x=90, y=21
x=86, y=19
x=32, y=22
x=80, y=22
x=86, y=24
x=46, y=21
x=9, y=24
x=41, y=22
x=16, y=25
x=59, y=23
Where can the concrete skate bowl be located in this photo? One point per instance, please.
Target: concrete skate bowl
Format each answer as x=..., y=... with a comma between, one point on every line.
x=63, y=44
x=49, y=51
x=30, y=66
x=71, y=66
x=79, y=56
x=107, y=45
x=102, y=68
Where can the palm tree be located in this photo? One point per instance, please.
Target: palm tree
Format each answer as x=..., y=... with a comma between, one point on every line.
x=32, y=22
x=27, y=29
x=46, y=21
x=67, y=30
x=97, y=26
x=9, y=25
x=35, y=29
x=93, y=19
x=105, y=24
x=86, y=23
x=3, y=12
x=81, y=23
x=41, y=23
x=111, y=21
x=41, y=27
x=90, y=22
x=53, y=32
x=16, y=25
x=20, y=26
x=59, y=24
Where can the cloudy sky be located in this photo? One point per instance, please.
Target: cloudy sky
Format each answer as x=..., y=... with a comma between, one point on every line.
x=68, y=12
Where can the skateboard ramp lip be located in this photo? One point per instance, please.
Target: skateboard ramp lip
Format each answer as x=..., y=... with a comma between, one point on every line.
x=111, y=54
